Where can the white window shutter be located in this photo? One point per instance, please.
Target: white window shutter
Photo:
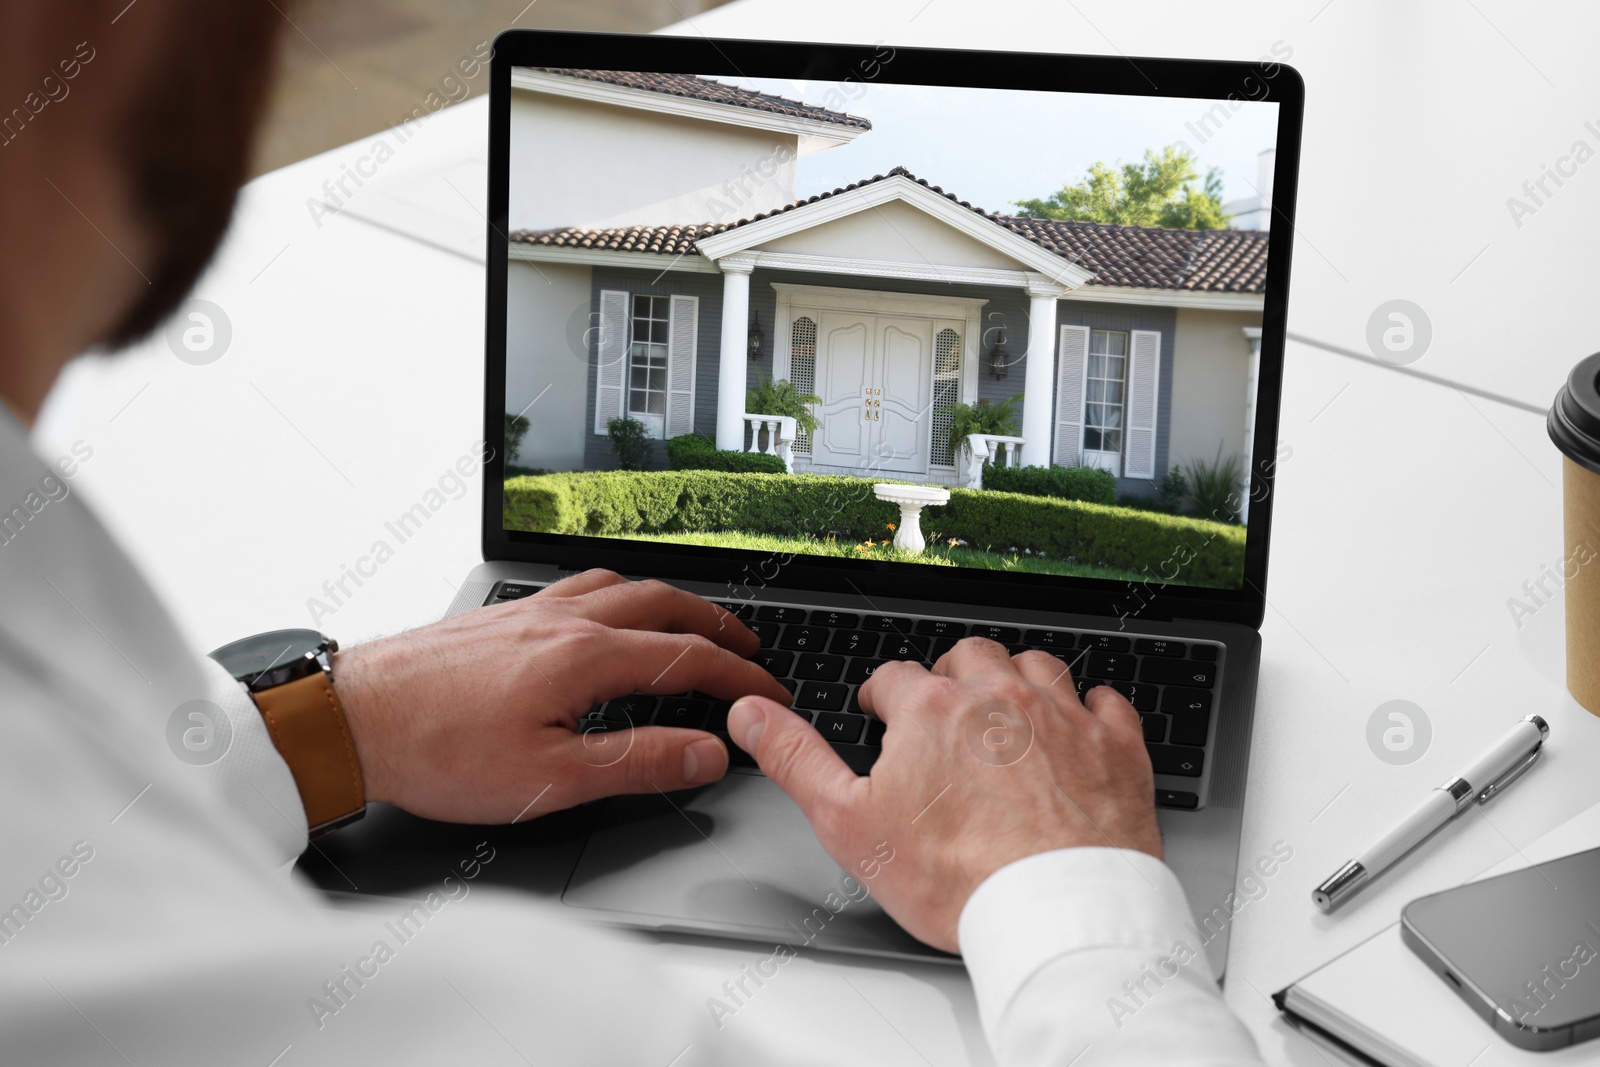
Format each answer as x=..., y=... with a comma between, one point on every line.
x=682, y=333
x=1144, y=372
x=611, y=358
x=1072, y=357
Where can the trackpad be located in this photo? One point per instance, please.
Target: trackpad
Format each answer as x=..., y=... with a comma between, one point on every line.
x=737, y=859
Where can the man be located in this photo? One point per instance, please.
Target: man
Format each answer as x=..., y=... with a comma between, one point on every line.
x=150, y=917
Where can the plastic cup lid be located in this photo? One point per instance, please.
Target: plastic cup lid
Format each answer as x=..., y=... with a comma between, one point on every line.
x=1574, y=422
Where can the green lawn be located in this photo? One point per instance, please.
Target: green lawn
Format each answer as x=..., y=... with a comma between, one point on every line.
x=941, y=555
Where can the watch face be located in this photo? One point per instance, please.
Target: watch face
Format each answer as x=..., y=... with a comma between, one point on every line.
x=251, y=656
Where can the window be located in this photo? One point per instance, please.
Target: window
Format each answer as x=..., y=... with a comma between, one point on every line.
x=946, y=391
x=647, y=359
x=803, y=370
x=1104, y=384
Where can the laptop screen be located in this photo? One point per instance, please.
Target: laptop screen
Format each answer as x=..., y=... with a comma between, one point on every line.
x=875, y=323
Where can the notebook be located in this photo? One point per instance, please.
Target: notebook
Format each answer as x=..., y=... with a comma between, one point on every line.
x=1379, y=1004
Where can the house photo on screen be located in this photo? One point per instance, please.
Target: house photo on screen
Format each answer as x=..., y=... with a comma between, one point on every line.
x=983, y=328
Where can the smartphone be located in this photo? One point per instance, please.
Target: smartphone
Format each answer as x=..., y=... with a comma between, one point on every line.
x=1522, y=949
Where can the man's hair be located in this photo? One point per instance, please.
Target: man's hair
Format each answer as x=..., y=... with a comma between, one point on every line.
x=185, y=144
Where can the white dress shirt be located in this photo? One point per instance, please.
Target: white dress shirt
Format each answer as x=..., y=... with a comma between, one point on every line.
x=149, y=913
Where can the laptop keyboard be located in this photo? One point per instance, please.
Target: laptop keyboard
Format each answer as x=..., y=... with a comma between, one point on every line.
x=823, y=656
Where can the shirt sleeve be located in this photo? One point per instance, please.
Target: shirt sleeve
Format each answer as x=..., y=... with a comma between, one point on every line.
x=252, y=775
x=1087, y=955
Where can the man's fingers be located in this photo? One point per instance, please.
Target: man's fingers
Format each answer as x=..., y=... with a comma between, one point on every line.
x=973, y=656
x=622, y=661
x=795, y=757
x=1112, y=708
x=891, y=686
x=1045, y=671
x=652, y=605
x=642, y=760
x=579, y=584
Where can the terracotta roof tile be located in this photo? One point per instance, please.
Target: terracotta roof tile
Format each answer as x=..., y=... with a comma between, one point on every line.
x=712, y=91
x=1146, y=257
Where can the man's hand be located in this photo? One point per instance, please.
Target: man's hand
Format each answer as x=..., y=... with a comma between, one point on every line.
x=988, y=759
x=473, y=719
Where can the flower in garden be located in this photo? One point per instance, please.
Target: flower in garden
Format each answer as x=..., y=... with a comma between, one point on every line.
x=953, y=542
x=885, y=540
x=889, y=526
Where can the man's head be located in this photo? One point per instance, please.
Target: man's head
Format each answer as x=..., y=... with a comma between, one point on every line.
x=125, y=132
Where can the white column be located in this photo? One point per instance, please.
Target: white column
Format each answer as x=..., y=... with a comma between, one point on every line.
x=731, y=373
x=1039, y=380
x=1252, y=376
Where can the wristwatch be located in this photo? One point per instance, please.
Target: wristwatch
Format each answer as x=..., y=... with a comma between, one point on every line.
x=289, y=676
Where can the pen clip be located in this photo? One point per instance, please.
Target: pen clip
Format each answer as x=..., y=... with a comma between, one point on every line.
x=1499, y=784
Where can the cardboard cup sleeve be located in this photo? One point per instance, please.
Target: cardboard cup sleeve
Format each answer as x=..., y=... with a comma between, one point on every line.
x=1574, y=426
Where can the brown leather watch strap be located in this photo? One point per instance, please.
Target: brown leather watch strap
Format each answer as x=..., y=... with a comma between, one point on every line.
x=308, y=727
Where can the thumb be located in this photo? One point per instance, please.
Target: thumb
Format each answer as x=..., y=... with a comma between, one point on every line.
x=791, y=753
x=645, y=759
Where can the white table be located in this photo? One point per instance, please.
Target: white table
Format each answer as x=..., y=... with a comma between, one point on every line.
x=1408, y=512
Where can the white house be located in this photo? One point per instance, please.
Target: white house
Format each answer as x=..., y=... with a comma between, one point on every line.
x=659, y=261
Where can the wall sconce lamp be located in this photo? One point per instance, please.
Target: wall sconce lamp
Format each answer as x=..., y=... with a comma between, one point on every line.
x=998, y=359
x=756, y=337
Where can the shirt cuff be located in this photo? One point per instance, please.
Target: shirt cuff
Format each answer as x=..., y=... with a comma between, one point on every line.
x=254, y=777
x=1054, y=904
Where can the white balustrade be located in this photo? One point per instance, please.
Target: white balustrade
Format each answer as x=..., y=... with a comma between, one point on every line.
x=985, y=448
x=780, y=432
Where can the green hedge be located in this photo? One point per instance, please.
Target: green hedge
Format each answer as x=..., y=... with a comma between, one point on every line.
x=1064, y=483
x=697, y=452
x=1174, y=548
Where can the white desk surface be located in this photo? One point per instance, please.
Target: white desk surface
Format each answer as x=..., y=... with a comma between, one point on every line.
x=1407, y=515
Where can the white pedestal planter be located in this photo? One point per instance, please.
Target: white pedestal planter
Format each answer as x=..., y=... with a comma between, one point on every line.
x=912, y=499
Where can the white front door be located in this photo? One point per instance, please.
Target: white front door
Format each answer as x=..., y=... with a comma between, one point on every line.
x=875, y=377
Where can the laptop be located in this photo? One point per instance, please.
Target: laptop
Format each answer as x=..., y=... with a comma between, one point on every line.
x=881, y=348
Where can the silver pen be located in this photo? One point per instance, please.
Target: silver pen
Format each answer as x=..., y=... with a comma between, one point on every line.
x=1484, y=778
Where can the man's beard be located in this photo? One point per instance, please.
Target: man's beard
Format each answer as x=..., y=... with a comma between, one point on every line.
x=185, y=146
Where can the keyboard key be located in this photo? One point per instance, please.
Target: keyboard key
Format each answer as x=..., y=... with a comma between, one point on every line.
x=737, y=757
x=886, y=624
x=941, y=628
x=1159, y=646
x=941, y=645
x=1175, y=798
x=895, y=647
x=1105, y=642
x=635, y=709
x=803, y=713
x=839, y=620
x=821, y=667
x=821, y=696
x=739, y=609
x=1006, y=635
x=1205, y=652
x=804, y=638
x=858, y=758
x=843, y=729
x=1170, y=759
x=1177, y=672
x=717, y=716
x=682, y=711
x=774, y=613
x=1111, y=666
x=515, y=590
x=777, y=662
x=855, y=702
x=1190, y=728
x=767, y=631
x=1175, y=700
x=875, y=731
x=1155, y=727
x=860, y=670
x=854, y=643
x=1051, y=638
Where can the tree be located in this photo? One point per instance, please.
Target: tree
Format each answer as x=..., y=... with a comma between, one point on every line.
x=1160, y=191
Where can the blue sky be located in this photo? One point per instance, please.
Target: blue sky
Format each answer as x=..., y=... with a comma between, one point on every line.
x=992, y=147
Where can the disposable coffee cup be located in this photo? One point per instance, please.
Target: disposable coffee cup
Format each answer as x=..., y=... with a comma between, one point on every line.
x=1574, y=426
